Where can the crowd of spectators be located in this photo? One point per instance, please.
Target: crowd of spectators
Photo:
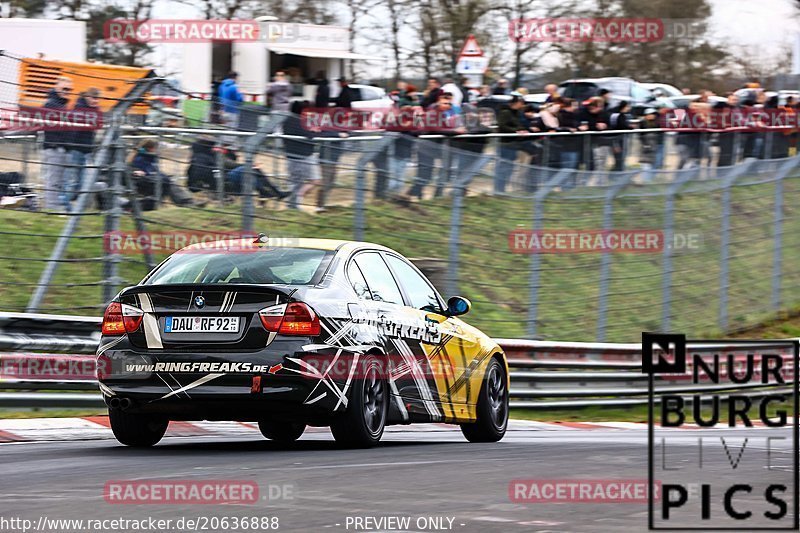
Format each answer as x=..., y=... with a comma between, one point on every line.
x=522, y=156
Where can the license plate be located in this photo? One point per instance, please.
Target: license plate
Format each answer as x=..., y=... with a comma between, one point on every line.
x=201, y=324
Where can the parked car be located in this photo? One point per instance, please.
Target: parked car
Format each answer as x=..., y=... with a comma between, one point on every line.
x=296, y=332
x=371, y=97
x=683, y=101
x=626, y=89
x=662, y=89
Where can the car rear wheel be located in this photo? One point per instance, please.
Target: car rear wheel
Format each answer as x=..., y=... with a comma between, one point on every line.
x=361, y=425
x=492, y=409
x=136, y=430
x=281, y=431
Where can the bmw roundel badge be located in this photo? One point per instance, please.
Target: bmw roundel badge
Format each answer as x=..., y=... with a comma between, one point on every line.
x=199, y=301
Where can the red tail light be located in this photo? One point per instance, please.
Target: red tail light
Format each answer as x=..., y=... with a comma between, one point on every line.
x=121, y=318
x=295, y=318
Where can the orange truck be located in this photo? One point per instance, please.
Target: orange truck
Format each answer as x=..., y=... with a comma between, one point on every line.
x=37, y=77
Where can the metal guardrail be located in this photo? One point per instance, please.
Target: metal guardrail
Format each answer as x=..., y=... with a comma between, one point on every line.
x=544, y=374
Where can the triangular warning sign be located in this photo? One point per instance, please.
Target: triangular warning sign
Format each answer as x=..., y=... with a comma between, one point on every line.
x=471, y=48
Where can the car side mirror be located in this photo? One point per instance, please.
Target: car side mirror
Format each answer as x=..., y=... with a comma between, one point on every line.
x=458, y=305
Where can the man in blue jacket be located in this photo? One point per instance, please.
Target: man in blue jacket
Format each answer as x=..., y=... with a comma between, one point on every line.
x=231, y=99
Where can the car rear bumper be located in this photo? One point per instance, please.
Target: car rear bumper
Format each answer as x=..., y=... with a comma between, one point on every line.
x=283, y=379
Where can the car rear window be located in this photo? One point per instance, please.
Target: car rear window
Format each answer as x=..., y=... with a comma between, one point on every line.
x=271, y=266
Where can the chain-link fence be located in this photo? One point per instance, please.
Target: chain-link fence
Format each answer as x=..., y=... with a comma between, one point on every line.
x=574, y=246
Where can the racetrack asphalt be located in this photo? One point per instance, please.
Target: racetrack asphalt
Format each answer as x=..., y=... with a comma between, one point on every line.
x=429, y=473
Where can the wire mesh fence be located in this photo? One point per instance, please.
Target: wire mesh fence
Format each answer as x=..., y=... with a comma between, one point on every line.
x=547, y=234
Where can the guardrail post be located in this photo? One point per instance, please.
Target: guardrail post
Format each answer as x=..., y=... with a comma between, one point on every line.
x=101, y=159
x=668, y=239
x=536, y=261
x=605, y=260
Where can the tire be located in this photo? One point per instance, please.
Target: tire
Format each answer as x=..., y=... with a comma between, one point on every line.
x=138, y=431
x=361, y=425
x=492, y=408
x=278, y=431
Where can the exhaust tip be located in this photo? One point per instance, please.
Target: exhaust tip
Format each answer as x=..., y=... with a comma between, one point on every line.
x=114, y=403
x=125, y=403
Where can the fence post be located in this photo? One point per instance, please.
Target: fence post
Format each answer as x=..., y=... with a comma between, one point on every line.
x=101, y=160
x=250, y=146
x=219, y=176
x=111, y=256
x=666, y=268
x=777, y=257
x=536, y=261
x=725, y=237
x=359, y=217
x=459, y=192
x=605, y=260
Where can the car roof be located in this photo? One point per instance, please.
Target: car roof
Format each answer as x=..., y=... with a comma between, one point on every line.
x=288, y=242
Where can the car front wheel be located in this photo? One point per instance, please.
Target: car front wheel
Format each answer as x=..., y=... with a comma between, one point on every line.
x=492, y=409
x=361, y=425
x=137, y=430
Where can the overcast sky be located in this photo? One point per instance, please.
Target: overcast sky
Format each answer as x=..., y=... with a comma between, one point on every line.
x=761, y=25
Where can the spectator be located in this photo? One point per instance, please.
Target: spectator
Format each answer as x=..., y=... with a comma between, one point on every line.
x=54, y=154
x=430, y=150
x=303, y=169
x=234, y=183
x=231, y=100
x=147, y=177
x=347, y=95
x=501, y=88
x=593, y=117
x=569, y=145
x=620, y=120
x=652, y=142
x=468, y=151
x=693, y=145
x=406, y=95
x=508, y=121
x=323, y=97
x=215, y=116
x=280, y=92
x=686, y=91
x=726, y=140
x=82, y=145
x=552, y=92
x=200, y=174
x=455, y=91
x=606, y=95
x=432, y=93
x=485, y=91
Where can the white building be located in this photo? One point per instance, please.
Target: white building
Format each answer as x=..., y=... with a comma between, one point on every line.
x=300, y=50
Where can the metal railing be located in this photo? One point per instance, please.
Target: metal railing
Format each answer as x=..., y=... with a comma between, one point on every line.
x=544, y=374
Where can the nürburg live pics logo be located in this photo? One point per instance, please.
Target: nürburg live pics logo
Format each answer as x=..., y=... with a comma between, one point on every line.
x=722, y=433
